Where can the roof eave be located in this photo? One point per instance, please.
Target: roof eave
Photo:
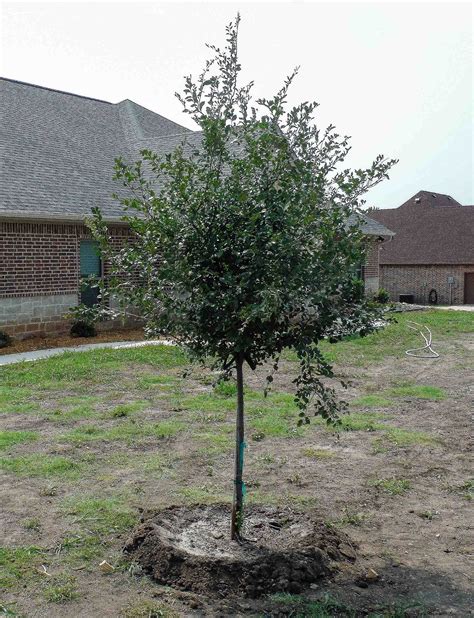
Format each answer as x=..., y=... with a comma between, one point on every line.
x=381, y=234
x=47, y=217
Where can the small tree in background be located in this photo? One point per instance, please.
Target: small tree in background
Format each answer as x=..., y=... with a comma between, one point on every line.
x=242, y=242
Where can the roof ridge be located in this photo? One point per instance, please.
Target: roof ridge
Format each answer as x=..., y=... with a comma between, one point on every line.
x=183, y=133
x=71, y=94
x=125, y=107
x=150, y=110
x=433, y=193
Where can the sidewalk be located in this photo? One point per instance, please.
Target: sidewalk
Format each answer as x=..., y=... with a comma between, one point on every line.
x=10, y=359
x=453, y=307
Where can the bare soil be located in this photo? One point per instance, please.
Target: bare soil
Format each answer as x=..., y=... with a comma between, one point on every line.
x=281, y=550
x=419, y=542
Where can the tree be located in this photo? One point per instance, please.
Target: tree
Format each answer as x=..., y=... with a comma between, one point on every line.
x=242, y=241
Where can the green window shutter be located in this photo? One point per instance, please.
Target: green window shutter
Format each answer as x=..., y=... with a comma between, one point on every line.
x=90, y=258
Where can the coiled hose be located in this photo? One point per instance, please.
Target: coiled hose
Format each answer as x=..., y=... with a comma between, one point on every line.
x=428, y=340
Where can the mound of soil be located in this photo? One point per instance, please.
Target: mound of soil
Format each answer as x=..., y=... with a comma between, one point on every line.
x=282, y=551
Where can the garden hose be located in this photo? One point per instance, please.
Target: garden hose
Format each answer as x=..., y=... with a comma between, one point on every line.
x=428, y=341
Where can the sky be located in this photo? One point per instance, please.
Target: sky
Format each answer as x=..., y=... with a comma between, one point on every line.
x=396, y=77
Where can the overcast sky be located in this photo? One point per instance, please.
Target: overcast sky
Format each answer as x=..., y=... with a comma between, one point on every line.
x=397, y=77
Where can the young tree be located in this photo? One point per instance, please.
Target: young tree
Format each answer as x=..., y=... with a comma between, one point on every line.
x=243, y=244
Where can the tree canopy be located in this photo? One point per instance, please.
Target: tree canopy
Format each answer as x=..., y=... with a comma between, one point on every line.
x=243, y=244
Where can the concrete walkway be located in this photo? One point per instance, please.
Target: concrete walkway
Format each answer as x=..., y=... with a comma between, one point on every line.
x=10, y=359
x=453, y=307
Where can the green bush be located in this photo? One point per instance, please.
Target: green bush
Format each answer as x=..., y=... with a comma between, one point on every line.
x=5, y=340
x=382, y=297
x=83, y=329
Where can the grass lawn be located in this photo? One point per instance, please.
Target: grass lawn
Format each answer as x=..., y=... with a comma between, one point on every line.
x=88, y=440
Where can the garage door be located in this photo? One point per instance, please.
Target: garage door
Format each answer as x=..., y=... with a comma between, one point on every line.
x=469, y=288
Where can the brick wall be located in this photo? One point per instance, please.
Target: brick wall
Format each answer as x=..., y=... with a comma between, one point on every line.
x=39, y=274
x=419, y=280
x=38, y=258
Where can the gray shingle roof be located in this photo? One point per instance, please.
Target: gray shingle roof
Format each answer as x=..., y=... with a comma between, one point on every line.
x=370, y=226
x=57, y=150
x=167, y=143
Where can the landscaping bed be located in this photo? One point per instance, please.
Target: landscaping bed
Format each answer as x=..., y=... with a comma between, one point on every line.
x=93, y=444
x=66, y=341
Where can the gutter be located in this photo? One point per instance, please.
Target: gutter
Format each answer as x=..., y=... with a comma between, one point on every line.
x=52, y=218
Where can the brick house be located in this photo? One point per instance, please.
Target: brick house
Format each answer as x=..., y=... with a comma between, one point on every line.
x=57, y=160
x=433, y=249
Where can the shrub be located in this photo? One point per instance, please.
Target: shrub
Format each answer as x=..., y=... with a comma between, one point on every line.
x=82, y=329
x=5, y=340
x=84, y=319
x=382, y=297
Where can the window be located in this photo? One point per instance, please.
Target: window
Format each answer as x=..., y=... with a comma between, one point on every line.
x=90, y=264
x=360, y=272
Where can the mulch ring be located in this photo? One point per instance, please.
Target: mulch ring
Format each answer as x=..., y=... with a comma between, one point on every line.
x=189, y=548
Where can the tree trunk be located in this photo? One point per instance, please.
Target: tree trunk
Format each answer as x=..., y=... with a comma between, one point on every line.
x=237, y=507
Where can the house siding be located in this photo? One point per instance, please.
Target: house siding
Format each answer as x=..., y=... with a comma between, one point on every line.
x=39, y=274
x=419, y=280
x=40, y=271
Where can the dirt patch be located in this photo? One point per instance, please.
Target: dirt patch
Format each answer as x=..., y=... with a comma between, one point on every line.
x=419, y=541
x=282, y=550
